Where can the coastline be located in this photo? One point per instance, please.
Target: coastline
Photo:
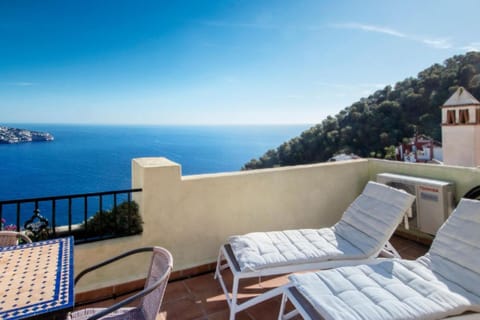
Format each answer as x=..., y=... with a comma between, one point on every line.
x=10, y=135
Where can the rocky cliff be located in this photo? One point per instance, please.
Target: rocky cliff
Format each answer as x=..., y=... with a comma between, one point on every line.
x=14, y=135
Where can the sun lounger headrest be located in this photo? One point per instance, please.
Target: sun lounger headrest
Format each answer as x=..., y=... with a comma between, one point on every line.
x=455, y=251
x=375, y=213
x=458, y=240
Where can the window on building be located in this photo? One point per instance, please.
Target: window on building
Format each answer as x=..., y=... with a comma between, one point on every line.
x=451, y=117
x=477, y=115
x=463, y=116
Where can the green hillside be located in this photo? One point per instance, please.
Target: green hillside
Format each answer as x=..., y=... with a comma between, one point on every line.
x=372, y=125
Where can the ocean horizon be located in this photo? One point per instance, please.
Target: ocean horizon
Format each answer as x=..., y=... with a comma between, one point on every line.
x=95, y=158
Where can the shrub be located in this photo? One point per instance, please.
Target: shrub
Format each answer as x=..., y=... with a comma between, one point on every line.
x=118, y=221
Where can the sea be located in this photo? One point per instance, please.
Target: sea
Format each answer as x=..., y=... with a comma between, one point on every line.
x=95, y=158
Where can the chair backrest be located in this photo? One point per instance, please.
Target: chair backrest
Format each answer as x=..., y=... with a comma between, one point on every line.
x=372, y=218
x=160, y=267
x=11, y=238
x=455, y=251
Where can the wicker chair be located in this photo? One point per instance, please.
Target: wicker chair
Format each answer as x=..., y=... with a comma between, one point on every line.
x=150, y=297
x=12, y=238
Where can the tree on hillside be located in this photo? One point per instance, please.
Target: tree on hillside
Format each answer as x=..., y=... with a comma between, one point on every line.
x=372, y=125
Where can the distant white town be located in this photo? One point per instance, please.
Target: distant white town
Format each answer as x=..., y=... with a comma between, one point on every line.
x=14, y=135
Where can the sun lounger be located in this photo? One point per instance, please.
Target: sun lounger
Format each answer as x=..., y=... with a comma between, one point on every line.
x=444, y=282
x=359, y=237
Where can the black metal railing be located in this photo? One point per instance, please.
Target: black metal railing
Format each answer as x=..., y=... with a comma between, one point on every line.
x=87, y=216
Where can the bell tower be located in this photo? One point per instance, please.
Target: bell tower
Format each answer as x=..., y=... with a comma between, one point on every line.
x=461, y=130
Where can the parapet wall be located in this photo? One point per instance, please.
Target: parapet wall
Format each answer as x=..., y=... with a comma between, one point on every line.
x=193, y=215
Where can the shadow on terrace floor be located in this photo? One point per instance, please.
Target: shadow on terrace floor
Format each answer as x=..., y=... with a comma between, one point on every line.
x=201, y=298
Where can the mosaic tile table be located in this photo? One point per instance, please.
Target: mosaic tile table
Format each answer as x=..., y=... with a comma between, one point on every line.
x=36, y=279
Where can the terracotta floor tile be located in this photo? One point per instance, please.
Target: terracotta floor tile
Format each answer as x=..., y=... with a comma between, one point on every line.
x=228, y=278
x=209, y=292
x=414, y=251
x=410, y=255
x=408, y=249
x=213, y=303
x=183, y=309
x=289, y=307
x=224, y=314
x=252, y=287
x=176, y=290
x=204, y=284
x=267, y=310
x=400, y=243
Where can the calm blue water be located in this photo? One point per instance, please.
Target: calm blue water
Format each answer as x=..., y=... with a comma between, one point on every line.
x=98, y=158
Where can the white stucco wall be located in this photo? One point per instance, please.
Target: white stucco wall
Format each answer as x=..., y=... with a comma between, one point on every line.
x=461, y=145
x=193, y=215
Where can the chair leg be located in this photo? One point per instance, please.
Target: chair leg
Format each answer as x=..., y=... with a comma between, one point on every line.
x=286, y=316
x=219, y=261
x=389, y=251
x=231, y=298
x=218, y=275
x=233, y=304
x=282, y=307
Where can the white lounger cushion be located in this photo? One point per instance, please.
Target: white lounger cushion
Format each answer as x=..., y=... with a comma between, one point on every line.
x=365, y=227
x=258, y=250
x=455, y=253
x=395, y=289
x=444, y=282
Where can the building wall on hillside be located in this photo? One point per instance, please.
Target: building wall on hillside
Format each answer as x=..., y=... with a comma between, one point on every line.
x=438, y=153
x=461, y=145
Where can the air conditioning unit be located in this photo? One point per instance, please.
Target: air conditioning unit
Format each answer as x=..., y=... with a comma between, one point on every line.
x=434, y=201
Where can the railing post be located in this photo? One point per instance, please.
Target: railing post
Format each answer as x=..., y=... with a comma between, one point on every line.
x=101, y=212
x=129, y=200
x=54, y=221
x=18, y=216
x=85, y=216
x=115, y=212
x=70, y=215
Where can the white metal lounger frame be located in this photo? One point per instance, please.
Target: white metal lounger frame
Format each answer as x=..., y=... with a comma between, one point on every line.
x=226, y=259
x=302, y=307
x=305, y=309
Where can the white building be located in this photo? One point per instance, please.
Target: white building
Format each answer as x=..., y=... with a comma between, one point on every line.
x=461, y=130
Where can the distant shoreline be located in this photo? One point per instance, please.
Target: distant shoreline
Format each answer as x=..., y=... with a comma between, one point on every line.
x=14, y=135
x=162, y=125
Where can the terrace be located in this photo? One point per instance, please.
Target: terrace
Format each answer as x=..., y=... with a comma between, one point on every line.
x=200, y=297
x=193, y=215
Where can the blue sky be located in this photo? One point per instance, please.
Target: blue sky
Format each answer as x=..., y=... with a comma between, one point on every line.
x=216, y=62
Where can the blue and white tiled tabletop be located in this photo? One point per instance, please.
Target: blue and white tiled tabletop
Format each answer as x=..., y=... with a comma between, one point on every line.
x=36, y=279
